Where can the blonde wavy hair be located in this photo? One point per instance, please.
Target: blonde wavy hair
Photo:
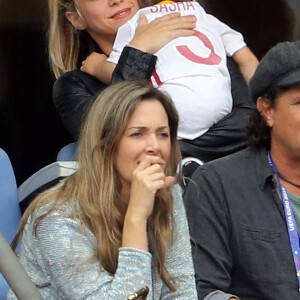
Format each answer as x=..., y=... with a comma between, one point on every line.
x=95, y=187
x=67, y=46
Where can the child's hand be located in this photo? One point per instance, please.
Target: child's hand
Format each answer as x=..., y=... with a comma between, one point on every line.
x=93, y=63
x=152, y=37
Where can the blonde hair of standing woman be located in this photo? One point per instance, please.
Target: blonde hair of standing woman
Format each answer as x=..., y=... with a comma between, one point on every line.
x=67, y=46
x=94, y=190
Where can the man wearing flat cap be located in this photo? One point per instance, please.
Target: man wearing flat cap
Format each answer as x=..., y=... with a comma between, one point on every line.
x=244, y=209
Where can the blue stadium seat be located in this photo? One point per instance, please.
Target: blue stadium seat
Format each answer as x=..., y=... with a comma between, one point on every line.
x=67, y=153
x=10, y=213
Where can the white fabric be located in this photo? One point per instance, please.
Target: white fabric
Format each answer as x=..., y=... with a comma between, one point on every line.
x=198, y=82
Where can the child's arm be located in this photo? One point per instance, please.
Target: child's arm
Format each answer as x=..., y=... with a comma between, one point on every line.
x=96, y=65
x=246, y=61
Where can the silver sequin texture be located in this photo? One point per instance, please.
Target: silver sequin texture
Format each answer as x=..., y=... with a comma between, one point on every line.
x=54, y=259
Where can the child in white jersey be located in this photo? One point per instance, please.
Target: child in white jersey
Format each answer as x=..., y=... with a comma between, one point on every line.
x=192, y=70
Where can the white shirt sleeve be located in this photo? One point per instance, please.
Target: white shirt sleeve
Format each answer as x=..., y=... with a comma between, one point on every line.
x=232, y=39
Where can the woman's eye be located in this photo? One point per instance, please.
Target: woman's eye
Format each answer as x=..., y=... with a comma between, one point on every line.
x=164, y=134
x=136, y=134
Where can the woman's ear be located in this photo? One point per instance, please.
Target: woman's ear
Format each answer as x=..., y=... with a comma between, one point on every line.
x=77, y=21
x=264, y=106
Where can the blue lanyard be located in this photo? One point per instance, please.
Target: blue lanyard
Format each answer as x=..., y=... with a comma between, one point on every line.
x=290, y=221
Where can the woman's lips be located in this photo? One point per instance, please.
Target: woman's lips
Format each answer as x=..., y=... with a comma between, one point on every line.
x=123, y=13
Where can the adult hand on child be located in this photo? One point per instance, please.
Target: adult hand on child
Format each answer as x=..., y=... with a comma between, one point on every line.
x=152, y=37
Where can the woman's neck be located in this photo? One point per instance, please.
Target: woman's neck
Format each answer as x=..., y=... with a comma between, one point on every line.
x=105, y=43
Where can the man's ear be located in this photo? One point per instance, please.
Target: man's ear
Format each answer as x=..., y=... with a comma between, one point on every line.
x=77, y=21
x=264, y=106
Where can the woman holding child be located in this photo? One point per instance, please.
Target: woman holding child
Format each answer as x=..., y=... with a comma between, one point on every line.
x=81, y=27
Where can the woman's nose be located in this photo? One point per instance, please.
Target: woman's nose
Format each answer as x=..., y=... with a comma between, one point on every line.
x=152, y=146
x=114, y=2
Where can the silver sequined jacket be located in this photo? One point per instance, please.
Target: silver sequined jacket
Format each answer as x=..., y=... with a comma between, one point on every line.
x=54, y=259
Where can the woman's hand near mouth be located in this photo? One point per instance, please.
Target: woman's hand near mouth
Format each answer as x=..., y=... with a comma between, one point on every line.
x=148, y=179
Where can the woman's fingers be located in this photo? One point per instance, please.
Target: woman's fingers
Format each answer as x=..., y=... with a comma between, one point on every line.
x=169, y=181
x=143, y=20
x=150, y=174
x=152, y=37
x=149, y=161
x=148, y=180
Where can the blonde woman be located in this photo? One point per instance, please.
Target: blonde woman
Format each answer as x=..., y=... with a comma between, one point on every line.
x=80, y=27
x=118, y=223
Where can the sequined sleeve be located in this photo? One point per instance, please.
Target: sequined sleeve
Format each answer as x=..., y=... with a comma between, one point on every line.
x=62, y=255
x=58, y=261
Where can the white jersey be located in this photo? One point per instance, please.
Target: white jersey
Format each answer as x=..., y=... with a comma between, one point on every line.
x=192, y=70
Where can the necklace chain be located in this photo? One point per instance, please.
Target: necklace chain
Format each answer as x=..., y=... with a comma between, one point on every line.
x=287, y=180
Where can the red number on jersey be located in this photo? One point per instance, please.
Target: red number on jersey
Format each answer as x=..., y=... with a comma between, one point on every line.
x=212, y=59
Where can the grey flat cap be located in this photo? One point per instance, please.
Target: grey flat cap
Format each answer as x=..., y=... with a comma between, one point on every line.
x=278, y=68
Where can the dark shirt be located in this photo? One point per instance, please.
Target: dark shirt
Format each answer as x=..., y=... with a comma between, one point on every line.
x=75, y=91
x=239, y=235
